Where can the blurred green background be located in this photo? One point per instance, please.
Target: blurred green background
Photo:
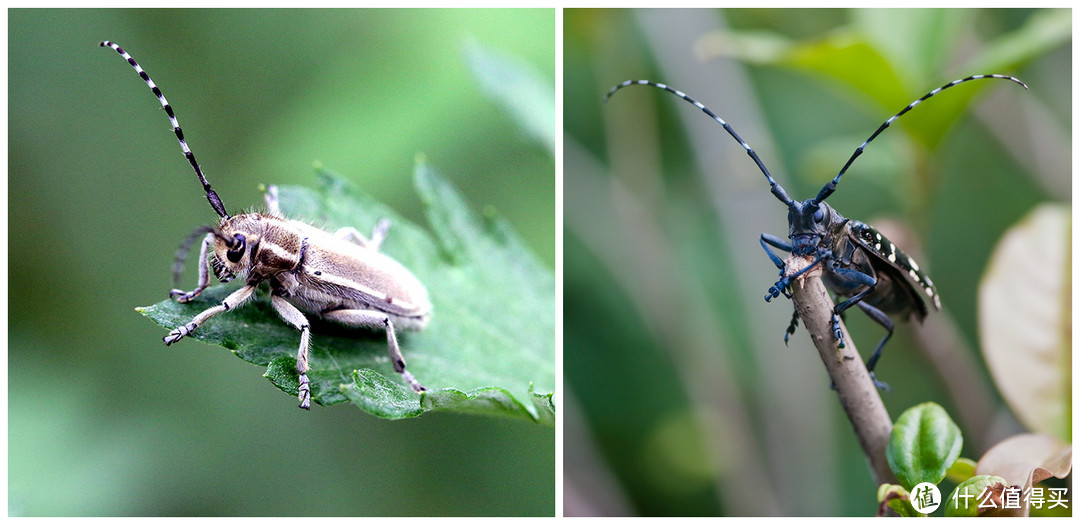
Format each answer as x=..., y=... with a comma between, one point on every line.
x=683, y=398
x=103, y=419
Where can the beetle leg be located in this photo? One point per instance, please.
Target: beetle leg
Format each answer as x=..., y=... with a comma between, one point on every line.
x=232, y=301
x=883, y=320
x=377, y=319
x=856, y=279
x=293, y=316
x=794, y=323
x=781, y=286
x=273, y=207
x=349, y=233
x=204, y=268
x=377, y=235
x=776, y=242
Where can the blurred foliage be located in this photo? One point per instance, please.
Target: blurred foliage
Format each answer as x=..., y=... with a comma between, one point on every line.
x=103, y=419
x=663, y=212
x=520, y=90
x=1038, y=388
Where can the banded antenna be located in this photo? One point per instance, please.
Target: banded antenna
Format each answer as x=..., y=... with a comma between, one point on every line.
x=831, y=186
x=775, y=187
x=211, y=195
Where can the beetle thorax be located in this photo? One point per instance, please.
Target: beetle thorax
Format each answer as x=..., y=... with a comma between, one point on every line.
x=257, y=244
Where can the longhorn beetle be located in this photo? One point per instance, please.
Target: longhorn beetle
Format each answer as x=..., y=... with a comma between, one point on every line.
x=859, y=263
x=341, y=276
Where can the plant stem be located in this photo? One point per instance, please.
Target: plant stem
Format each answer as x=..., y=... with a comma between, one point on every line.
x=858, y=395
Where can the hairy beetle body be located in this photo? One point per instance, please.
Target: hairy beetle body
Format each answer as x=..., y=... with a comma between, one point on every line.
x=340, y=276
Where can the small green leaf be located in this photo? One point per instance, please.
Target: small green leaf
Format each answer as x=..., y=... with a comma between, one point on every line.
x=896, y=497
x=964, y=501
x=488, y=349
x=924, y=443
x=486, y=400
x=962, y=469
x=377, y=395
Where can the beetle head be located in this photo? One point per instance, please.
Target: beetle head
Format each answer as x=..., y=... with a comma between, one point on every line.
x=808, y=225
x=235, y=242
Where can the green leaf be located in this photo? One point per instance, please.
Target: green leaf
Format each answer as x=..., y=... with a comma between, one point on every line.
x=961, y=469
x=876, y=58
x=832, y=57
x=924, y=443
x=912, y=39
x=897, y=498
x=488, y=349
x=964, y=501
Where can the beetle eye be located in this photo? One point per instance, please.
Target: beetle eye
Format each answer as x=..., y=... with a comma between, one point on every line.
x=236, y=251
x=818, y=215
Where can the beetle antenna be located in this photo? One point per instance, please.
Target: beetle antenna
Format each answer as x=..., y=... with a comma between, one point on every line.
x=181, y=253
x=831, y=186
x=777, y=189
x=211, y=195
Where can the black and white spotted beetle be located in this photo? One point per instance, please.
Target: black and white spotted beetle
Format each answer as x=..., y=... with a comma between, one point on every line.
x=860, y=264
